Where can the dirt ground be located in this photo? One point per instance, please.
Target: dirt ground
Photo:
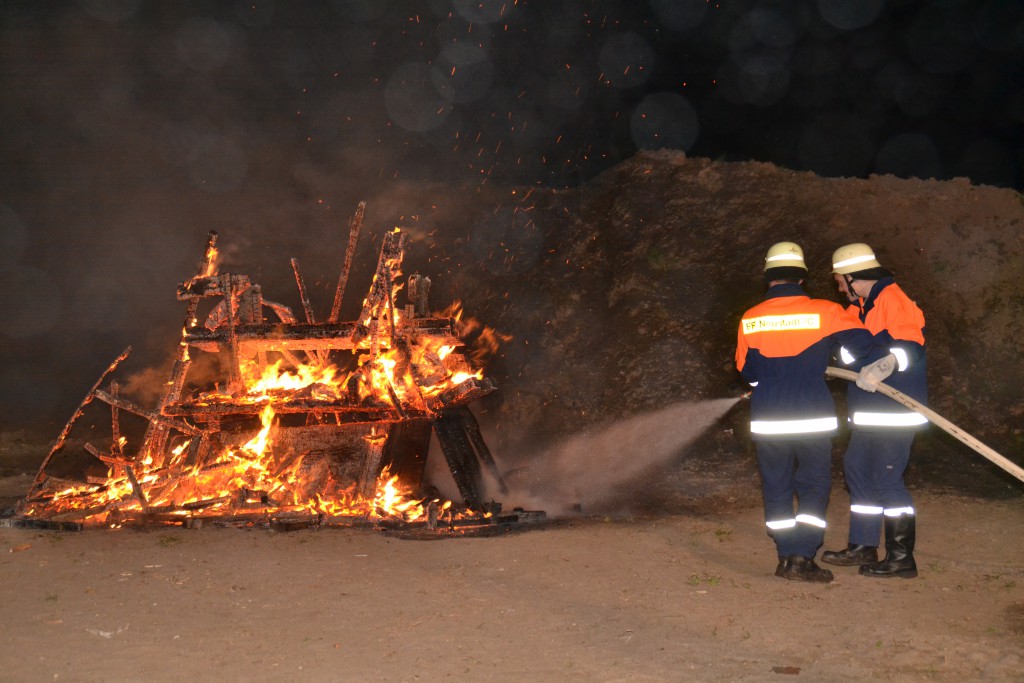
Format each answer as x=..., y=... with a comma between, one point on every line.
x=620, y=299
x=685, y=595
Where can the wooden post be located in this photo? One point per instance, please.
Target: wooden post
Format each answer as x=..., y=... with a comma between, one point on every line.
x=320, y=355
x=355, y=224
x=234, y=366
x=306, y=306
x=74, y=417
x=155, y=438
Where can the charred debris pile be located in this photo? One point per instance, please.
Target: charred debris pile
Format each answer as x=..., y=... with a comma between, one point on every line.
x=272, y=421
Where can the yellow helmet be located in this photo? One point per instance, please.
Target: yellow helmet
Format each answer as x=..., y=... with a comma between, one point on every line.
x=853, y=258
x=784, y=255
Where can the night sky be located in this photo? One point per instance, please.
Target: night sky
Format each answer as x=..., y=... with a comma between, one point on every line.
x=128, y=124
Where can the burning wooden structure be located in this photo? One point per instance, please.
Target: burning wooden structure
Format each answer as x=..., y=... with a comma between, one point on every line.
x=300, y=423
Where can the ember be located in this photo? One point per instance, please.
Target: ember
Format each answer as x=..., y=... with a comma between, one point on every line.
x=305, y=423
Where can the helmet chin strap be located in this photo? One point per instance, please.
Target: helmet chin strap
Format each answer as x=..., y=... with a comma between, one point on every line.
x=852, y=295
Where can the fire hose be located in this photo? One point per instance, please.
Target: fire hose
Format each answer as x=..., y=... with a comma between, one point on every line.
x=937, y=420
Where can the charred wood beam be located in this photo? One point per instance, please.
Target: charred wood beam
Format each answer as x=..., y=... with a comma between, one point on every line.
x=367, y=483
x=42, y=524
x=59, y=443
x=194, y=448
x=303, y=296
x=209, y=502
x=155, y=438
x=234, y=362
x=343, y=414
x=355, y=225
x=136, y=489
x=387, y=268
x=395, y=401
x=461, y=394
x=53, y=485
x=151, y=415
x=419, y=293
x=320, y=354
x=199, y=288
x=312, y=337
x=461, y=458
x=472, y=430
x=115, y=422
x=389, y=286
x=104, y=458
x=403, y=365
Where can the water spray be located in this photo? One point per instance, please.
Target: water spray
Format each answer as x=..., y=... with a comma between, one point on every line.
x=590, y=467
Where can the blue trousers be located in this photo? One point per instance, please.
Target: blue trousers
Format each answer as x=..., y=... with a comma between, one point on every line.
x=800, y=469
x=874, y=463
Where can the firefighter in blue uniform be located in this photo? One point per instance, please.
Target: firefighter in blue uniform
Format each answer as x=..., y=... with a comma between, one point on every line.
x=784, y=345
x=882, y=430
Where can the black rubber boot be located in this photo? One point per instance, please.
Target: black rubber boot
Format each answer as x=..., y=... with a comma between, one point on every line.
x=853, y=555
x=900, y=533
x=799, y=568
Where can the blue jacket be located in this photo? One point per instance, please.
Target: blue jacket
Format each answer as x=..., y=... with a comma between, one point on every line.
x=898, y=326
x=784, y=345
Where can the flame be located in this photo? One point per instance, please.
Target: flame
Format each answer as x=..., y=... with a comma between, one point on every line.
x=245, y=468
x=262, y=382
x=255, y=473
x=486, y=341
x=257, y=445
x=212, y=256
x=250, y=474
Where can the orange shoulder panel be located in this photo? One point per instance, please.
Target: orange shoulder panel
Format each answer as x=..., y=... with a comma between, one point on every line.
x=787, y=326
x=894, y=311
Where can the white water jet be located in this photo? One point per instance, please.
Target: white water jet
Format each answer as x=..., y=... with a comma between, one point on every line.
x=591, y=466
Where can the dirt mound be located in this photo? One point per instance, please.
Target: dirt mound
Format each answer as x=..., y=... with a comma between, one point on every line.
x=623, y=296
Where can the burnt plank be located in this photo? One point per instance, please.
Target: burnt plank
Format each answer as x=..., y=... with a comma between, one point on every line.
x=461, y=458
x=312, y=336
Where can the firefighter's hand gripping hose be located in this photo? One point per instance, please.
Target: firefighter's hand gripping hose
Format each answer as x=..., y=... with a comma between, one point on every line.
x=872, y=374
x=936, y=419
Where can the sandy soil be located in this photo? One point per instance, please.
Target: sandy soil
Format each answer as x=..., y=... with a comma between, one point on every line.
x=650, y=598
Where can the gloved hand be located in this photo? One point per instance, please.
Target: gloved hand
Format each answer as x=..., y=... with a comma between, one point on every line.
x=873, y=373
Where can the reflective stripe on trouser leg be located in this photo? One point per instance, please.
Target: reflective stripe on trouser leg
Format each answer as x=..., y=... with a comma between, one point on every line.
x=795, y=468
x=874, y=463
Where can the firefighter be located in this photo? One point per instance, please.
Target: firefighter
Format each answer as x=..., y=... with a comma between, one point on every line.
x=882, y=430
x=784, y=345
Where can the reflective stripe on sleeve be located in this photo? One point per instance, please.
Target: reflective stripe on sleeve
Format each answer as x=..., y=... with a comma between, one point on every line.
x=896, y=512
x=812, y=520
x=820, y=424
x=781, y=524
x=866, y=509
x=845, y=356
x=866, y=419
x=901, y=358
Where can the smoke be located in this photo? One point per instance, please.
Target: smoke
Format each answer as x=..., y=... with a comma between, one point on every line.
x=592, y=467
